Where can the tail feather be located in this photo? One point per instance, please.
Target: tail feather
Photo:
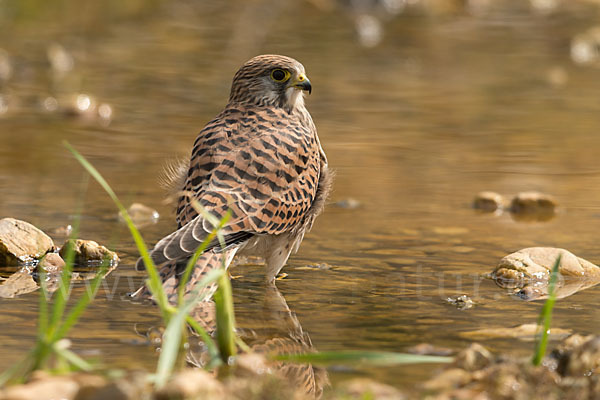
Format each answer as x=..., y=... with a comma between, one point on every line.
x=171, y=273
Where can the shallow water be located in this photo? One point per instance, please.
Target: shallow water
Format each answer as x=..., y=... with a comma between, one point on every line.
x=449, y=103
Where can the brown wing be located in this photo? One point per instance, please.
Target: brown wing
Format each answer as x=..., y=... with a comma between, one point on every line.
x=261, y=164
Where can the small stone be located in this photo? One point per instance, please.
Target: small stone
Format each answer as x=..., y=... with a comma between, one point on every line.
x=462, y=302
x=52, y=263
x=141, y=214
x=88, y=252
x=533, y=206
x=192, y=384
x=21, y=242
x=488, y=201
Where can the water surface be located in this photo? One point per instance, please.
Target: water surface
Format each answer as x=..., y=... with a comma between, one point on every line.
x=450, y=102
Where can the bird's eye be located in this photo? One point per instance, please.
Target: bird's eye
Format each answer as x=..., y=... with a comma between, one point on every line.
x=280, y=75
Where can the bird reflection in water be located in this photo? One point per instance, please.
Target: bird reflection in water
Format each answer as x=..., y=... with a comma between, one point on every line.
x=272, y=329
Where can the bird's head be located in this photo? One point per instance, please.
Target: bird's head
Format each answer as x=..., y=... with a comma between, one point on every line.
x=271, y=80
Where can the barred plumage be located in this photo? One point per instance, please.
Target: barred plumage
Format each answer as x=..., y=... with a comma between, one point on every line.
x=260, y=158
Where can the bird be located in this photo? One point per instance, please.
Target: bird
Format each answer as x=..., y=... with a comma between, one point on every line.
x=260, y=159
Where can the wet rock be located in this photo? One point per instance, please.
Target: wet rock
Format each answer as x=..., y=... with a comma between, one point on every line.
x=17, y=284
x=529, y=271
x=21, y=242
x=48, y=388
x=533, y=206
x=141, y=214
x=52, y=263
x=488, y=201
x=580, y=356
x=348, y=203
x=524, y=331
x=363, y=388
x=192, y=384
x=88, y=253
x=462, y=302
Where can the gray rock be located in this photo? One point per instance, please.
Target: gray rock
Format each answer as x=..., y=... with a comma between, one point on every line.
x=21, y=242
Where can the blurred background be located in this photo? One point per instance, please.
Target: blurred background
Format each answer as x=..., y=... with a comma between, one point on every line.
x=420, y=104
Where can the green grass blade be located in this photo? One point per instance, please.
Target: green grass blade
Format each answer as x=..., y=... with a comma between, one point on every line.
x=378, y=358
x=190, y=266
x=43, y=306
x=17, y=370
x=83, y=303
x=61, y=296
x=71, y=357
x=225, y=318
x=154, y=283
x=174, y=331
x=545, y=317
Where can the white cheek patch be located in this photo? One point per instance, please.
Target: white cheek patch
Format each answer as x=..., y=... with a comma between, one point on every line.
x=294, y=97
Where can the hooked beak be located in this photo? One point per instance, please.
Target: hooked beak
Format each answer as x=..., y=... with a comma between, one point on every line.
x=302, y=83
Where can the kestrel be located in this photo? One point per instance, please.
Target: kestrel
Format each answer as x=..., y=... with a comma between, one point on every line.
x=260, y=158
